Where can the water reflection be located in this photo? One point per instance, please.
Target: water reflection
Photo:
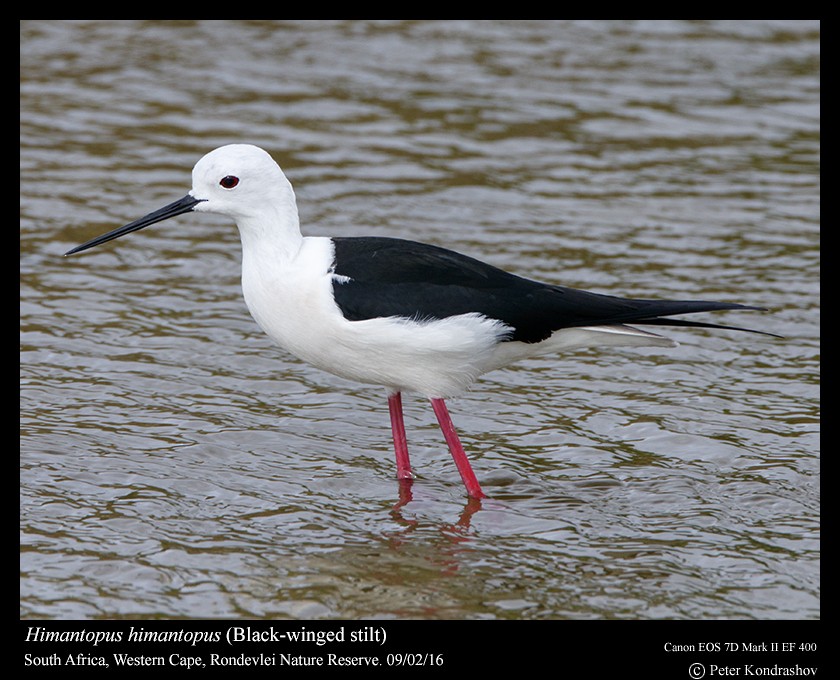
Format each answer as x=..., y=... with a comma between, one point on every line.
x=472, y=506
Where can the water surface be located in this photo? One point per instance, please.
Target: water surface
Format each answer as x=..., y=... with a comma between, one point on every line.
x=174, y=463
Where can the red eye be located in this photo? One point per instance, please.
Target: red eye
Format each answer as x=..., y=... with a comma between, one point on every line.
x=229, y=182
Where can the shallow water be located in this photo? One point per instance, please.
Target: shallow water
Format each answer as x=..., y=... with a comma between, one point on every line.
x=174, y=463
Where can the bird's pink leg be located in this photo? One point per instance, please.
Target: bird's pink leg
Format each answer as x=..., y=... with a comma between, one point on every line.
x=455, y=448
x=398, y=430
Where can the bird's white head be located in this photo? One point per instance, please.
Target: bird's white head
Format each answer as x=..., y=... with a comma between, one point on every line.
x=241, y=181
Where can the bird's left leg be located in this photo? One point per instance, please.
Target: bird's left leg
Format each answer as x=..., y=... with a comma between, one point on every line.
x=455, y=448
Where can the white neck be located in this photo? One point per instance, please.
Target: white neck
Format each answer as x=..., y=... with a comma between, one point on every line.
x=274, y=233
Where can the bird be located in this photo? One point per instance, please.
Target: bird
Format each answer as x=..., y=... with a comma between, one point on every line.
x=401, y=314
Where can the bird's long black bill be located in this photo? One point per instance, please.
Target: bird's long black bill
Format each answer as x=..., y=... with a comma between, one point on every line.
x=179, y=207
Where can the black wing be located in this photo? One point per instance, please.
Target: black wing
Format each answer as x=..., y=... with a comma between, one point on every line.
x=395, y=277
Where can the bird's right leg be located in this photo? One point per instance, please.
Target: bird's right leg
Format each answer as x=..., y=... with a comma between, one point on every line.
x=398, y=430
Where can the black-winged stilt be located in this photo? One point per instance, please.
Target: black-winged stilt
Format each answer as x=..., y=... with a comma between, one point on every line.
x=404, y=315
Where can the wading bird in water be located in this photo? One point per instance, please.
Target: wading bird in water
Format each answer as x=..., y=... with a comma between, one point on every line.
x=404, y=315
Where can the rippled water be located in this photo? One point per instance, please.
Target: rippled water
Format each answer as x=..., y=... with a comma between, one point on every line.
x=174, y=463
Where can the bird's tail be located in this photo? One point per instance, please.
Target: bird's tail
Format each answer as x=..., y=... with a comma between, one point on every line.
x=664, y=321
x=659, y=313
